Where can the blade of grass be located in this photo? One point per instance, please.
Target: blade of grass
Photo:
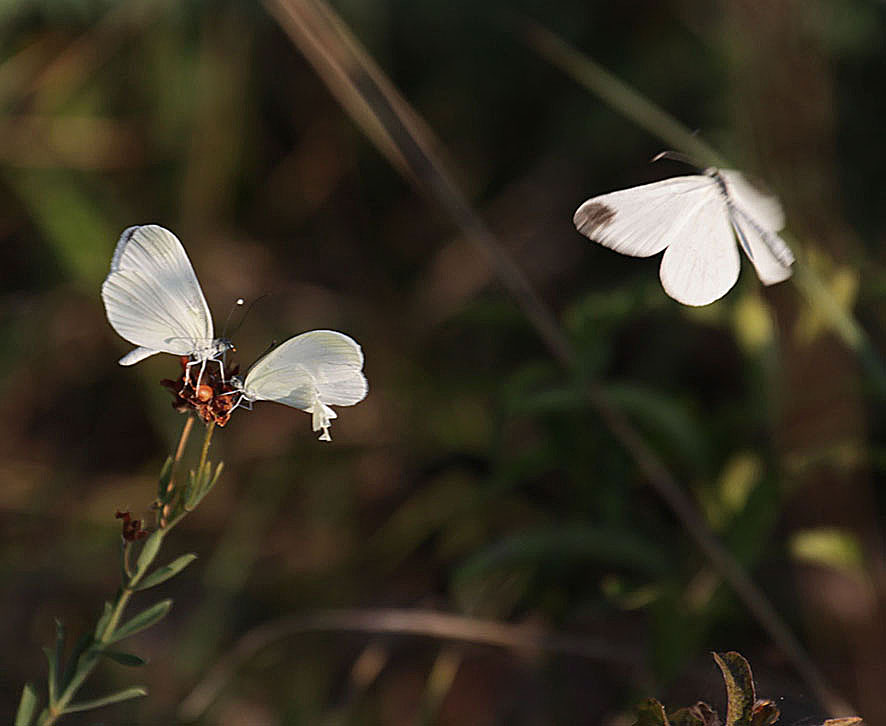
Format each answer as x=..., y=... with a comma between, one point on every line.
x=657, y=122
x=425, y=623
x=375, y=105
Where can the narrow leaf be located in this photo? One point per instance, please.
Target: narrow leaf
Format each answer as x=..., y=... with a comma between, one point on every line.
x=651, y=713
x=218, y=471
x=165, y=478
x=59, y=652
x=53, y=674
x=80, y=647
x=739, y=688
x=189, y=496
x=162, y=574
x=103, y=620
x=698, y=715
x=127, y=659
x=123, y=695
x=149, y=551
x=27, y=705
x=203, y=484
x=145, y=619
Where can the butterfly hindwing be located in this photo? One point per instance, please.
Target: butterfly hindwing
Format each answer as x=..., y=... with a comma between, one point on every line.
x=759, y=244
x=703, y=263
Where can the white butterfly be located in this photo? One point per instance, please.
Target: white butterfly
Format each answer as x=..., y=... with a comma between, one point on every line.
x=153, y=300
x=694, y=218
x=311, y=372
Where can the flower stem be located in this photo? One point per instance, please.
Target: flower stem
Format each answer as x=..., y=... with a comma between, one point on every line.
x=129, y=581
x=180, y=450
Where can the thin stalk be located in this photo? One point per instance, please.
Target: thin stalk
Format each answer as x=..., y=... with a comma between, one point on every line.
x=204, y=453
x=180, y=450
x=206, y=441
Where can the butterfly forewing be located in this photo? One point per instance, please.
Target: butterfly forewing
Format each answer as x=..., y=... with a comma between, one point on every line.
x=643, y=220
x=152, y=297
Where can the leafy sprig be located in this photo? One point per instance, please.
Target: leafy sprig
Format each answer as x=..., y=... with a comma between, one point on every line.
x=67, y=676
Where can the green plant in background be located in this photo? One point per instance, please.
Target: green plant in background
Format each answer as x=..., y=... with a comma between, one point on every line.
x=67, y=674
x=635, y=107
x=743, y=708
x=538, y=511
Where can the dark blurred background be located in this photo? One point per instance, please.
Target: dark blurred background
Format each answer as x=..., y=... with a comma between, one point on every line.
x=472, y=479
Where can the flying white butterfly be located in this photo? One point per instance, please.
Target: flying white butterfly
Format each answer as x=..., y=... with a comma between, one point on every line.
x=311, y=372
x=693, y=218
x=153, y=300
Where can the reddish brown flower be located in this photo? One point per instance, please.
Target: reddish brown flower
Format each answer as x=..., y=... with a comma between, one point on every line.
x=212, y=400
x=132, y=528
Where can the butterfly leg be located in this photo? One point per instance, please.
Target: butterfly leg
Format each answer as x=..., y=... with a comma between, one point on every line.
x=187, y=377
x=200, y=374
x=221, y=367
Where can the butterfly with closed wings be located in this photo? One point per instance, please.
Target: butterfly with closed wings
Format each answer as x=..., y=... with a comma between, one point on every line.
x=692, y=218
x=153, y=299
x=311, y=372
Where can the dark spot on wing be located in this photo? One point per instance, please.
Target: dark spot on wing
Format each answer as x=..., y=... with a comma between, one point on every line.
x=593, y=217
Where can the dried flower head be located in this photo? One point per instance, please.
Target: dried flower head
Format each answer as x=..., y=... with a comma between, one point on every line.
x=132, y=528
x=212, y=400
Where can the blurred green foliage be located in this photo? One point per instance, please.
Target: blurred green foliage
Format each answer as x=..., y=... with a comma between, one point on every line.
x=473, y=478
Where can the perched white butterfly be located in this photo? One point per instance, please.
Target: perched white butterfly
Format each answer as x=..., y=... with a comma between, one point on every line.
x=153, y=300
x=693, y=218
x=311, y=372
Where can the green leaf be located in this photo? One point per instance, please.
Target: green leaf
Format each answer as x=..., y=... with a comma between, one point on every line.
x=27, y=705
x=570, y=543
x=740, y=695
x=71, y=221
x=123, y=695
x=698, y=715
x=201, y=484
x=218, y=471
x=127, y=659
x=162, y=574
x=651, y=713
x=163, y=482
x=59, y=655
x=80, y=648
x=149, y=551
x=103, y=620
x=831, y=547
x=53, y=674
x=145, y=619
x=666, y=418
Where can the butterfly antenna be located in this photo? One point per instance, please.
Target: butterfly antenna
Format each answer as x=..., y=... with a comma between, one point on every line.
x=246, y=312
x=264, y=353
x=675, y=156
x=236, y=304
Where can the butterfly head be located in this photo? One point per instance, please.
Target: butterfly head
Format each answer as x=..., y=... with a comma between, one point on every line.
x=223, y=345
